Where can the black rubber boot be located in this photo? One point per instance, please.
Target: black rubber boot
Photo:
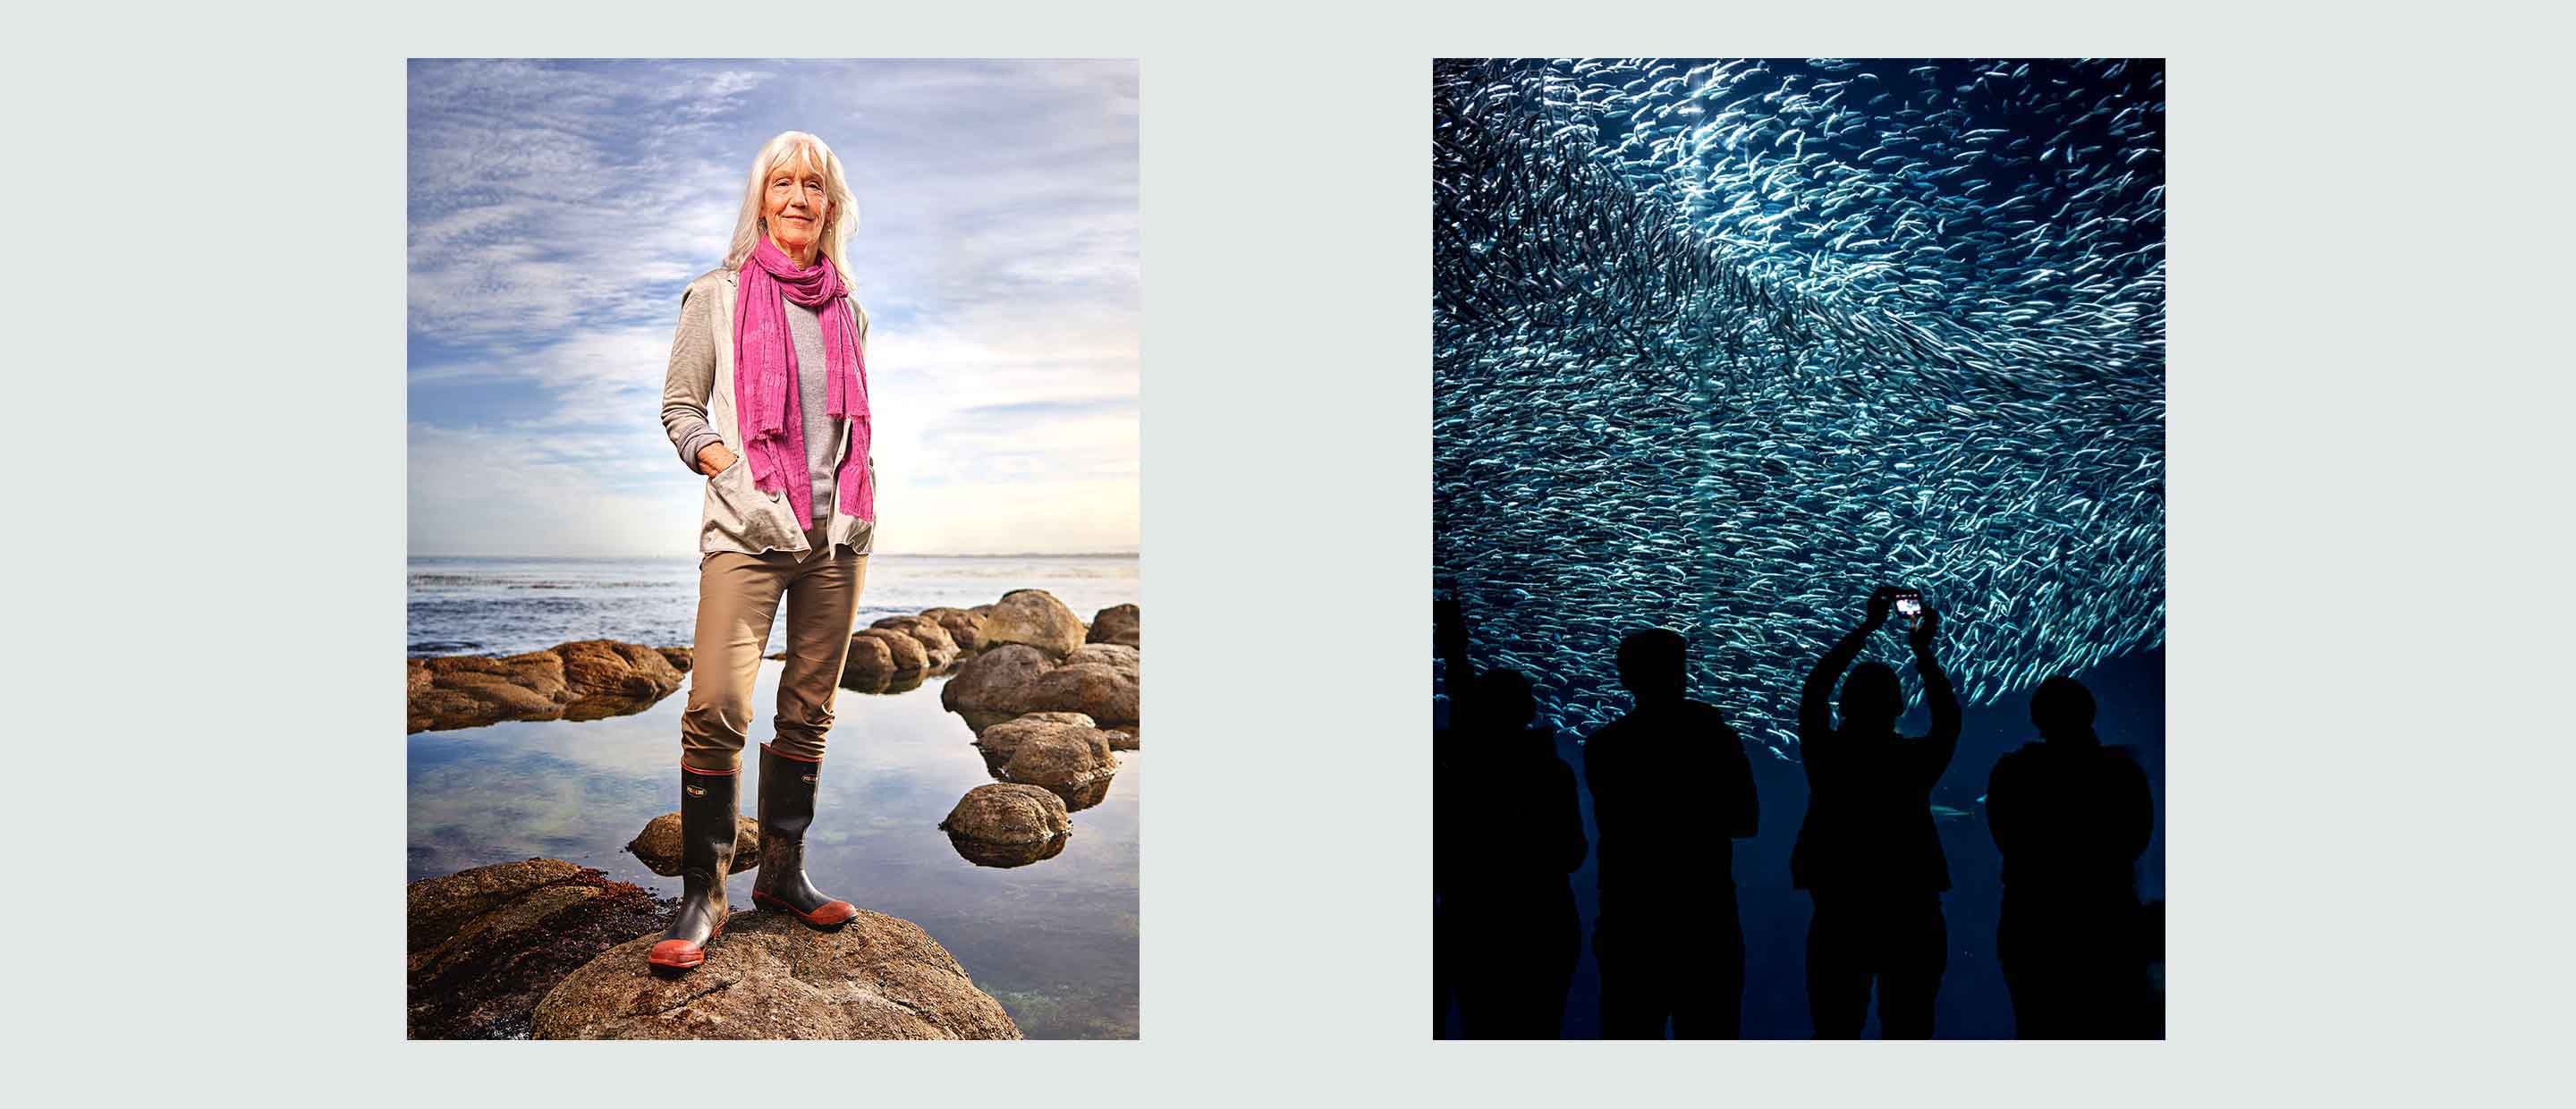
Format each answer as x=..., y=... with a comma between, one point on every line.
x=786, y=810
x=707, y=808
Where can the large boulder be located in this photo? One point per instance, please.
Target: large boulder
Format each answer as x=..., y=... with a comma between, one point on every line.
x=1006, y=825
x=658, y=845
x=937, y=645
x=485, y=944
x=1004, y=739
x=770, y=977
x=583, y=680
x=1119, y=624
x=1062, y=761
x=997, y=682
x=1036, y=618
x=464, y=691
x=964, y=628
x=1061, y=751
x=609, y=678
x=1100, y=692
x=1125, y=660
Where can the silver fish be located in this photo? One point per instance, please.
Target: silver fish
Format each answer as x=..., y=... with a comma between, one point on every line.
x=1731, y=376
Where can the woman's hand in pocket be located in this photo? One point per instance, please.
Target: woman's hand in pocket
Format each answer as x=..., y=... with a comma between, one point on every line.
x=713, y=458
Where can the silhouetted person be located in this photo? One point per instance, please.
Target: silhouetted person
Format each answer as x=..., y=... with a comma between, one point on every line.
x=1449, y=646
x=1670, y=783
x=1509, y=830
x=1868, y=854
x=1521, y=931
x=2071, y=817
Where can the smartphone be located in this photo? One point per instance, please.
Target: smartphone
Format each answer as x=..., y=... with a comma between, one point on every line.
x=1909, y=604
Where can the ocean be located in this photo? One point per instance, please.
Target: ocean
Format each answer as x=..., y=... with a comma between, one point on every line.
x=499, y=606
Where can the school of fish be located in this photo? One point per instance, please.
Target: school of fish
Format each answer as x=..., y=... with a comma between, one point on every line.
x=1721, y=346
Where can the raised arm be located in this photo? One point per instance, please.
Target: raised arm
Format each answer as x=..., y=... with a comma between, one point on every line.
x=1815, y=699
x=1943, y=742
x=691, y=377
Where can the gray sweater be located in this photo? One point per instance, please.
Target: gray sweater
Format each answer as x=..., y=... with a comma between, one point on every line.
x=693, y=348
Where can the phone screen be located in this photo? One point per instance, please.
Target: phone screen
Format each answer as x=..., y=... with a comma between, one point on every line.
x=1911, y=608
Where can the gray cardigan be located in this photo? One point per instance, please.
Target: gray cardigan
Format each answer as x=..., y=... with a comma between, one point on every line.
x=698, y=408
x=695, y=344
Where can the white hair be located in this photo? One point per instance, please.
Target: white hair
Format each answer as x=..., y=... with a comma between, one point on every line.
x=841, y=218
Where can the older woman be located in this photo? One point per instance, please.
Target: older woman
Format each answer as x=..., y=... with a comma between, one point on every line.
x=767, y=396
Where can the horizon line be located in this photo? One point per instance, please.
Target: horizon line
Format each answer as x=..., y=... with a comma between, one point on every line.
x=891, y=554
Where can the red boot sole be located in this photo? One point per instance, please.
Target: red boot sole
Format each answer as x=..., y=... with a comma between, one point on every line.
x=767, y=901
x=685, y=959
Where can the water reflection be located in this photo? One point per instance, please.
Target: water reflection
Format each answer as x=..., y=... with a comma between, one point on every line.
x=1055, y=943
x=1084, y=796
x=1006, y=855
x=901, y=681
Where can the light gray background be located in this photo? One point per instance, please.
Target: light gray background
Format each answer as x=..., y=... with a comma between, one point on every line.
x=2367, y=638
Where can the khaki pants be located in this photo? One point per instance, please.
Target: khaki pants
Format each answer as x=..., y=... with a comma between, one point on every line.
x=737, y=600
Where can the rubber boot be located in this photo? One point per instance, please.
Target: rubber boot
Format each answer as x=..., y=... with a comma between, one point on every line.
x=707, y=808
x=786, y=809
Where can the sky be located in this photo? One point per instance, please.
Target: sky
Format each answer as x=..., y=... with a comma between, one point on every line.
x=557, y=210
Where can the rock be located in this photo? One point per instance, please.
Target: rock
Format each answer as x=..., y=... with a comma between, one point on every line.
x=658, y=845
x=609, y=678
x=871, y=662
x=1004, y=738
x=977, y=719
x=1092, y=689
x=999, y=681
x=936, y=643
x=1061, y=751
x=463, y=691
x=1119, y=624
x=1036, y=618
x=1008, y=825
x=965, y=628
x=584, y=680
x=770, y=977
x=485, y=944
x=678, y=657
x=1125, y=660
x=904, y=651
x=1125, y=739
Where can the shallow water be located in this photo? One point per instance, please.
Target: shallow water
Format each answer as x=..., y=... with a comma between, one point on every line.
x=1054, y=941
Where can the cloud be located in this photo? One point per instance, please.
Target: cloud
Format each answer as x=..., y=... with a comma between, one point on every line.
x=557, y=209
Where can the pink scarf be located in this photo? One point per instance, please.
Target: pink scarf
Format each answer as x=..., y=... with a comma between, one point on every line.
x=764, y=379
